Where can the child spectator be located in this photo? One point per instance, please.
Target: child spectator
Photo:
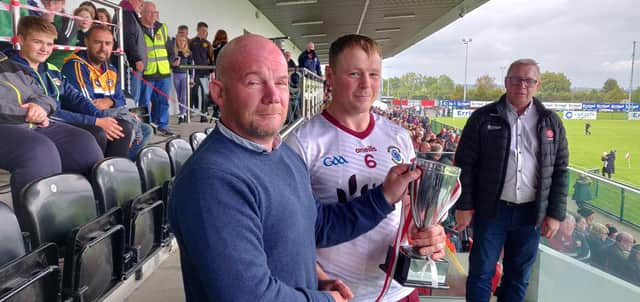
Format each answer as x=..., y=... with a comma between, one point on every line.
x=183, y=57
x=83, y=25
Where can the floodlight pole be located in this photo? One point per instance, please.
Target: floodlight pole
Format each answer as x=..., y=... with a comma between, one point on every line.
x=466, y=63
x=633, y=58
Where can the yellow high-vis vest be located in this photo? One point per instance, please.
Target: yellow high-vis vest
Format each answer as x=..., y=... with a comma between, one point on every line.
x=158, y=57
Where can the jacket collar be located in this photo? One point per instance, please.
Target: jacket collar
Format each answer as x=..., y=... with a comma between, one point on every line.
x=16, y=57
x=81, y=56
x=502, y=106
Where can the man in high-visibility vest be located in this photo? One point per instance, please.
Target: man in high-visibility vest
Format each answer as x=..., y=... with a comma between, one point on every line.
x=157, y=73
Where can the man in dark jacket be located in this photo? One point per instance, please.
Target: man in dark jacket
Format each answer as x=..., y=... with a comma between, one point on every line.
x=134, y=46
x=514, y=156
x=31, y=145
x=202, y=52
x=309, y=59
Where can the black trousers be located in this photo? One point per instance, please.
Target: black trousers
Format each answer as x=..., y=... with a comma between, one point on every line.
x=118, y=147
x=29, y=154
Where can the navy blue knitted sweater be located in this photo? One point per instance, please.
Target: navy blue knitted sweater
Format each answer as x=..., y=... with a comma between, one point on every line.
x=248, y=225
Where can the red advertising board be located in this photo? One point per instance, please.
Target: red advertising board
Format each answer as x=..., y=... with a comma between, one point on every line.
x=428, y=103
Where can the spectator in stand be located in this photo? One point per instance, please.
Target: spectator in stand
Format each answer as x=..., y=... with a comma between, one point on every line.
x=182, y=57
x=32, y=145
x=90, y=6
x=567, y=241
x=582, y=226
x=632, y=273
x=183, y=30
x=202, y=52
x=514, y=156
x=103, y=15
x=424, y=147
x=135, y=47
x=89, y=71
x=290, y=62
x=309, y=60
x=617, y=254
x=612, y=232
x=598, y=243
x=66, y=28
x=84, y=24
x=36, y=36
x=157, y=73
x=262, y=229
x=588, y=215
x=219, y=41
x=582, y=190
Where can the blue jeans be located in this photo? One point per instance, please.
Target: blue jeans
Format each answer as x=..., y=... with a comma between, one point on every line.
x=134, y=86
x=180, y=82
x=159, y=103
x=147, y=133
x=514, y=227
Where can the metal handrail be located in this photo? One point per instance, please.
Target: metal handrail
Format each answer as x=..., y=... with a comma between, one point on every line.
x=193, y=67
x=606, y=180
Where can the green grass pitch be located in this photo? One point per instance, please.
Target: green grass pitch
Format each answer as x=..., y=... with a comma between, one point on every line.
x=585, y=152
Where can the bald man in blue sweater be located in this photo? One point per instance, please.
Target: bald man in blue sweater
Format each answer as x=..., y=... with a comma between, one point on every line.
x=242, y=208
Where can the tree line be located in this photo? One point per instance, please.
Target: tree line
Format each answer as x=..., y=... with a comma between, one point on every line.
x=555, y=87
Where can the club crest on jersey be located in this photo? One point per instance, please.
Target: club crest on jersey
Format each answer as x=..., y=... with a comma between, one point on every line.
x=396, y=155
x=56, y=81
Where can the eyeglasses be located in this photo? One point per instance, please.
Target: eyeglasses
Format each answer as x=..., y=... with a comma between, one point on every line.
x=515, y=81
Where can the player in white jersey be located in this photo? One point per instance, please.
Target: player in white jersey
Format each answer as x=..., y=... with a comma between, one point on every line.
x=349, y=150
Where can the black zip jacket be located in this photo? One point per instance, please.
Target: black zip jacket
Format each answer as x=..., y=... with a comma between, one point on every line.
x=483, y=152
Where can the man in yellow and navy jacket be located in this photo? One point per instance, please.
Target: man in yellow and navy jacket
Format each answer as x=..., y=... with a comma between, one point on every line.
x=89, y=72
x=157, y=73
x=32, y=145
x=36, y=36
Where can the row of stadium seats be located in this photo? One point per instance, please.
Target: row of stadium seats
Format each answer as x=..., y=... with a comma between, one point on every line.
x=74, y=239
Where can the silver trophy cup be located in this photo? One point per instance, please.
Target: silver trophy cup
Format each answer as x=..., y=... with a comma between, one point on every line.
x=431, y=199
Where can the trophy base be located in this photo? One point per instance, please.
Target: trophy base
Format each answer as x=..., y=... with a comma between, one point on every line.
x=413, y=270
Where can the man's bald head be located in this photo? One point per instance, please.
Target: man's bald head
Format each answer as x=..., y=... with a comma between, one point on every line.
x=241, y=49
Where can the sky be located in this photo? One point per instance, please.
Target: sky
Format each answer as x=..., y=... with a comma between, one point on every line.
x=589, y=41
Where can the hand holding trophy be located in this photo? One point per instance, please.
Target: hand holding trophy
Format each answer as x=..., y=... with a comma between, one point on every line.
x=431, y=196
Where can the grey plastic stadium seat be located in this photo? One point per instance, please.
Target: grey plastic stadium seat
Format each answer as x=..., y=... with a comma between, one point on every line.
x=196, y=139
x=179, y=151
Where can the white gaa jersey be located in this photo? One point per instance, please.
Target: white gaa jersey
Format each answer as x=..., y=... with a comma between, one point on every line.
x=343, y=164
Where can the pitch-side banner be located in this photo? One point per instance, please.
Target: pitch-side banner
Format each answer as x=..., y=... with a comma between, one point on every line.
x=580, y=115
x=634, y=116
x=459, y=113
x=563, y=106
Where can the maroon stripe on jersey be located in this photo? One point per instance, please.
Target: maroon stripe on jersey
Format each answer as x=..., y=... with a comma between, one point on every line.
x=360, y=135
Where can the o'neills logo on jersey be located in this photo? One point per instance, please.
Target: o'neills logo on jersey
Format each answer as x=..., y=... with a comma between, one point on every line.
x=396, y=155
x=367, y=149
